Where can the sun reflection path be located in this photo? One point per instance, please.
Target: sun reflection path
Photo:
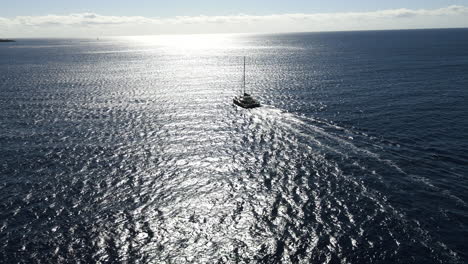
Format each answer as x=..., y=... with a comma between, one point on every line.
x=190, y=43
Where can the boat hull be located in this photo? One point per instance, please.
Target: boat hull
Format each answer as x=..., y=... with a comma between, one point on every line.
x=244, y=104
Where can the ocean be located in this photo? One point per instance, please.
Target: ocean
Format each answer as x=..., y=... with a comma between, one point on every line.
x=129, y=149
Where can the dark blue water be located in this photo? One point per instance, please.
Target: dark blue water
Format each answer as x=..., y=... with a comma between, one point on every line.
x=130, y=150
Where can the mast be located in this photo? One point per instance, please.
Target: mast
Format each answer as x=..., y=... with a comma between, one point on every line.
x=244, y=75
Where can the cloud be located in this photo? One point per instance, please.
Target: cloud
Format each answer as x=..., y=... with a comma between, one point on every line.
x=82, y=19
x=452, y=16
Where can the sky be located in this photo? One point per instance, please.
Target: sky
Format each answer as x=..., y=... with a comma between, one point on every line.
x=89, y=18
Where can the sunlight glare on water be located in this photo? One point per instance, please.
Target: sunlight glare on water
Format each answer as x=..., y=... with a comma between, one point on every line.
x=130, y=150
x=188, y=44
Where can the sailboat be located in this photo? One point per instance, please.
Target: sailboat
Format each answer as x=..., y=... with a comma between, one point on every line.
x=245, y=100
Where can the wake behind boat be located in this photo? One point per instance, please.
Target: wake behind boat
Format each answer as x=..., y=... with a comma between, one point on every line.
x=245, y=100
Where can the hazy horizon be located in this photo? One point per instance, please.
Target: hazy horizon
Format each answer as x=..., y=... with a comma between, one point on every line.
x=228, y=34
x=90, y=24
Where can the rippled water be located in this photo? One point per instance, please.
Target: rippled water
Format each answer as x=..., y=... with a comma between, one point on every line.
x=130, y=150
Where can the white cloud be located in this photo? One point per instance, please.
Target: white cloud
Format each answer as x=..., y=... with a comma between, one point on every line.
x=92, y=24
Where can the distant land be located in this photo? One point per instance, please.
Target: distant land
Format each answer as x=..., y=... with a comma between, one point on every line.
x=6, y=40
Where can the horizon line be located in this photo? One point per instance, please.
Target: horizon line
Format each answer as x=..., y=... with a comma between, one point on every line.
x=92, y=24
x=241, y=33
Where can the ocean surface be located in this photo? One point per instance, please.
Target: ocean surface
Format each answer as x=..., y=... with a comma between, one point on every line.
x=130, y=150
